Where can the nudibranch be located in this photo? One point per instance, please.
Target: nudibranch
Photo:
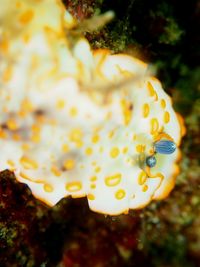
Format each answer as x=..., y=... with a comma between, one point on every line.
x=80, y=122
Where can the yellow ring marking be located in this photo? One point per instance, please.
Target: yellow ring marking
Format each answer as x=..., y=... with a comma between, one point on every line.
x=142, y=178
x=73, y=186
x=28, y=163
x=166, y=117
x=163, y=103
x=48, y=188
x=154, y=126
x=120, y=194
x=146, y=110
x=113, y=180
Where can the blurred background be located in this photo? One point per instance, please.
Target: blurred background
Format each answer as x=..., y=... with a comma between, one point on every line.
x=164, y=234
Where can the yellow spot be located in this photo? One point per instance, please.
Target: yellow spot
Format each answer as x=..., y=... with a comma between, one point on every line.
x=93, y=178
x=69, y=164
x=73, y=111
x=91, y=197
x=76, y=137
x=166, y=117
x=35, y=138
x=145, y=110
x=134, y=137
x=25, y=147
x=114, y=152
x=28, y=163
x=65, y=148
x=142, y=178
x=154, y=126
x=36, y=129
x=18, y=4
x=125, y=150
x=3, y=134
x=73, y=186
x=26, y=107
x=140, y=148
x=11, y=163
x=48, y=188
x=26, y=17
x=152, y=91
x=97, y=169
x=7, y=75
x=60, y=104
x=16, y=137
x=101, y=149
x=12, y=125
x=127, y=109
x=92, y=186
x=163, y=103
x=111, y=133
x=113, y=180
x=145, y=188
x=4, y=44
x=26, y=38
x=55, y=171
x=120, y=194
x=25, y=176
x=88, y=151
x=95, y=138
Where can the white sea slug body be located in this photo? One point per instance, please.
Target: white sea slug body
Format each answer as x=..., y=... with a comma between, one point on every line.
x=78, y=122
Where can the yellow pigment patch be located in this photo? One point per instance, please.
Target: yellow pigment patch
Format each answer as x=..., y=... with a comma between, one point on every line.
x=120, y=194
x=7, y=75
x=60, y=104
x=145, y=110
x=73, y=112
x=55, y=171
x=48, y=188
x=73, y=186
x=154, y=126
x=97, y=169
x=3, y=134
x=91, y=197
x=95, y=138
x=16, y=137
x=88, y=151
x=113, y=180
x=26, y=17
x=111, y=134
x=12, y=125
x=69, y=164
x=4, y=45
x=127, y=109
x=151, y=90
x=93, y=178
x=166, y=117
x=114, y=152
x=163, y=103
x=11, y=163
x=65, y=148
x=76, y=137
x=125, y=150
x=28, y=163
x=140, y=148
x=142, y=178
x=145, y=188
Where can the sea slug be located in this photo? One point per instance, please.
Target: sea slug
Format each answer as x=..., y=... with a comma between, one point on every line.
x=81, y=122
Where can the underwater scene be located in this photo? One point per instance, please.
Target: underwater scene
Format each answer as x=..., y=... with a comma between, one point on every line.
x=99, y=133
